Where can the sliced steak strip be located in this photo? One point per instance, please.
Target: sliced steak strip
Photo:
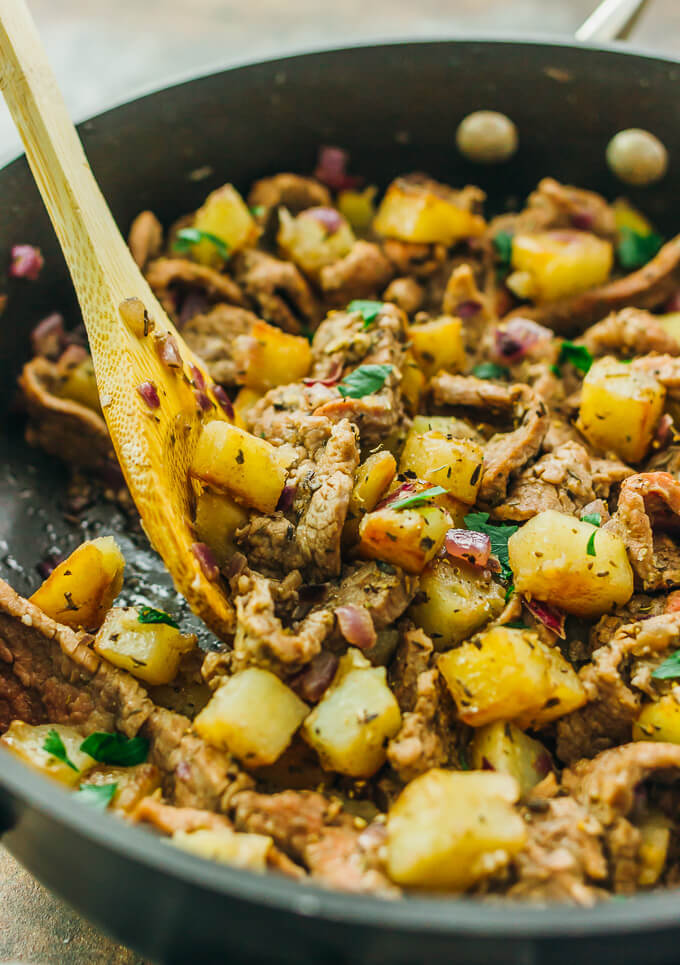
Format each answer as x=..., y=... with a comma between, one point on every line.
x=278, y=289
x=560, y=480
x=166, y=274
x=629, y=332
x=211, y=335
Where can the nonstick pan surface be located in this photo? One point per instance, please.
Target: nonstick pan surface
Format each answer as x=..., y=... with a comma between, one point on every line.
x=395, y=108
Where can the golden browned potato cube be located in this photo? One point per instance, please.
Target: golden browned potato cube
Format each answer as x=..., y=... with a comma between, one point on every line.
x=455, y=600
x=28, y=743
x=554, y=264
x=243, y=403
x=79, y=591
x=133, y=783
x=659, y=721
x=253, y=715
x=426, y=213
x=567, y=692
x=249, y=468
x=620, y=408
x=358, y=207
x=655, y=829
x=350, y=727
x=235, y=848
x=77, y=382
x=217, y=519
x=448, y=425
x=412, y=383
x=504, y=748
x=550, y=559
x=442, y=460
x=268, y=357
x=450, y=829
x=409, y=538
x=371, y=481
x=224, y=214
x=149, y=651
x=307, y=240
x=438, y=345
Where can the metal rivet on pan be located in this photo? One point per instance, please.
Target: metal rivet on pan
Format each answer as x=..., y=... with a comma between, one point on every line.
x=487, y=137
x=637, y=157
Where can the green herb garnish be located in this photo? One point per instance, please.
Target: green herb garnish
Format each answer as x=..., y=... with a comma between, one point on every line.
x=147, y=614
x=257, y=210
x=510, y=590
x=54, y=746
x=590, y=548
x=96, y=795
x=669, y=668
x=556, y=370
x=578, y=355
x=518, y=625
x=463, y=759
x=593, y=518
x=116, y=748
x=364, y=380
x=415, y=499
x=502, y=242
x=498, y=535
x=635, y=250
x=489, y=370
x=186, y=238
x=368, y=309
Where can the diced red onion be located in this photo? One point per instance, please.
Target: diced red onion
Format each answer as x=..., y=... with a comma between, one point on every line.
x=332, y=378
x=168, y=351
x=468, y=545
x=27, y=262
x=405, y=489
x=331, y=169
x=149, y=393
x=223, y=400
x=49, y=563
x=468, y=308
x=328, y=218
x=313, y=682
x=673, y=303
x=286, y=498
x=356, y=626
x=664, y=431
x=73, y=355
x=487, y=765
x=197, y=376
x=48, y=338
x=194, y=304
x=203, y=400
x=583, y=220
x=550, y=616
x=543, y=764
x=206, y=559
x=518, y=336
x=183, y=771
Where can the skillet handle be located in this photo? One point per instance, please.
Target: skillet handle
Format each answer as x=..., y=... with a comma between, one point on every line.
x=612, y=20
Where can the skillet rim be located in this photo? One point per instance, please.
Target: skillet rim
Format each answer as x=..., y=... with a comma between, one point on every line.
x=447, y=916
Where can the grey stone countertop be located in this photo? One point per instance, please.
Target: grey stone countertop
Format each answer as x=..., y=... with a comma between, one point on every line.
x=148, y=44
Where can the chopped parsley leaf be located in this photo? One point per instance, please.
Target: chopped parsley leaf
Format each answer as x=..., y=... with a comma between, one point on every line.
x=186, y=238
x=498, y=535
x=518, y=625
x=364, y=380
x=669, y=668
x=415, y=499
x=510, y=590
x=147, y=614
x=96, y=795
x=578, y=355
x=590, y=548
x=54, y=745
x=593, y=518
x=489, y=370
x=502, y=242
x=635, y=250
x=369, y=310
x=116, y=748
x=257, y=210
x=556, y=370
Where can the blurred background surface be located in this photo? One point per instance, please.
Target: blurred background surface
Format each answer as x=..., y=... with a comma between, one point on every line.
x=102, y=53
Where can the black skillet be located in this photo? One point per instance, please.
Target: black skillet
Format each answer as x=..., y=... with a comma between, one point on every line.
x=395, y=108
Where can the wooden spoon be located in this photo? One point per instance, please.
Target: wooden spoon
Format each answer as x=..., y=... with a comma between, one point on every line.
x=154, y=444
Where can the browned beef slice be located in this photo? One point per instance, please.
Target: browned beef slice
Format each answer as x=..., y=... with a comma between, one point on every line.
x=665, y=369
x=145, y=238
x=555, y=205
x=211, y=335
x=167, y=818
x=560, y=480
x=385, y=591
x=413, y=657
x=362, y=273
x=62, y=427
x=639, y=607
x=290, y=190
x=406, y=294
x=164, y=274
x=279, y=291
x=414, y=259
x=629, y=332
x=613, y=704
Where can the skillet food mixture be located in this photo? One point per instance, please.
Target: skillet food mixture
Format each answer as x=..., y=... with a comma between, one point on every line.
x=445, y=502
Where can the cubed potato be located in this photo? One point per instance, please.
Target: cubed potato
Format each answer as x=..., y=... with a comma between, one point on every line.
x=409, y=538
x=566, y=694
x=371, y=481
x=455, y=600
x=448, y=425
x=307, y=239
x=76, y=381
x=550, y=560
x=249, y=468
x=559, y=263
x=217, y=519
x=620, y=407
x=358, y=207
x=504, y=748
x=253, y=715
x=412, y=383
x=235, y=848
x=442, y=460
x=132, y=783
x=659, y=721
x=350, y=727
x=438, y=345
x=79, y=591
x=28, y=743
x=670, y=322
x=424, y=211
x=224, y=214
x=245, y=400
x=450, y=829
x=498, y=676
x=268, y=357
x=655, y=830
x=149, y=651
